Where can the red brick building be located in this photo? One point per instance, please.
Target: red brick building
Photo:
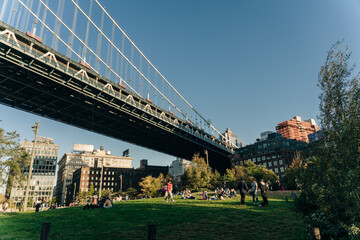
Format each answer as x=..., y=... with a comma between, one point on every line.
x=297, y=129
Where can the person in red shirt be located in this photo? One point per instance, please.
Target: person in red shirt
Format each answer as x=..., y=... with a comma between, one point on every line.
x=168, y=192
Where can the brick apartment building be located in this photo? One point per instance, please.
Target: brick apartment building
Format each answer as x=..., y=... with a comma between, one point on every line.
x=297, y=129
x=274, y=152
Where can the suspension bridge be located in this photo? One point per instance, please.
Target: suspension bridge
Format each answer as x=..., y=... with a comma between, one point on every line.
x=80, y=68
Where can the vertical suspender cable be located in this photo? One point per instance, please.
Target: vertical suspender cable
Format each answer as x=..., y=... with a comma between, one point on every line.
x=87, y=31
x=25, y=18
x=43, y=19
x=122, y=59
x=112, y=50
x=191, y=107
x=71, y=36
x=98, y=43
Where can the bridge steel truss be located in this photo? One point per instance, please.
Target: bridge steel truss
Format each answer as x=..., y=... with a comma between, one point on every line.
x=39, y=80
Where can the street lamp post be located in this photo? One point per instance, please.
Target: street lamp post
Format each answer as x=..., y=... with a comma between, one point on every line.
x=207, y=156
x=101, y=177
x=35, y=129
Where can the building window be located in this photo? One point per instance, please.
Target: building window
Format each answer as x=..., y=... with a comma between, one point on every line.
x=263, y=158
x=258, y=159
x=276, y=170
x=270, y=164
x=275, y=163
x=280, y=162
x=281, y=169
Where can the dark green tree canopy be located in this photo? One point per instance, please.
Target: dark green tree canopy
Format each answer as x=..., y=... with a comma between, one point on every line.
x=13, y=158
x=330, y=178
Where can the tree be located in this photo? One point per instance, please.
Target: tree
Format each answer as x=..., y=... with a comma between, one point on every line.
x=260, y=172
x=152, y=186
x=131, y=192
x=13, y=159
x=106, y=192
x=197, y=175
x=53, y=200
x=293, y=171
x=91, y=190
x=240, y=172
x=216, y=179
x=81, y=197
x=330, y=196
x=229, y=178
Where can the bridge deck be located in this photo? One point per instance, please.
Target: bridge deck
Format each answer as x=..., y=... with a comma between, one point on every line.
x=59, y=88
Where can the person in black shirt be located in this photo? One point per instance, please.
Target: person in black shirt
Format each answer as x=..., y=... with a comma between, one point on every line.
x=243, y=187
x=263, y=189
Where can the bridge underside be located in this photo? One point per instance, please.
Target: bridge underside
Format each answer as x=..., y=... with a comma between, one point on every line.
x=40, y=90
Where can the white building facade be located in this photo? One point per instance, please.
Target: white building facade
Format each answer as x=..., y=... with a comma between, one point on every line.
x=43, y=173
x=178, y=167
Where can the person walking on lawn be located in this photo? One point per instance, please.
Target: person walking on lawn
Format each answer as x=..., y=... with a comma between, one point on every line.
x=168, y=192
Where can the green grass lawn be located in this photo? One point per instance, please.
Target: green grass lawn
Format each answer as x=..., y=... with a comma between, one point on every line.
x=184, y=219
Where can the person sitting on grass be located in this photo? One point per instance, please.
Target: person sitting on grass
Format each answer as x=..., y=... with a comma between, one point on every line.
x=232, y=193
x=183, y=196
x=52, y=207
x=205, y=195
x=186, y=194
x=108, y=203
x=90, y=206
x=5, y=206
x=220, y=194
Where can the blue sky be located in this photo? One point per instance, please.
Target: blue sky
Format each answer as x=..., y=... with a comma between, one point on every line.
x=246, y=65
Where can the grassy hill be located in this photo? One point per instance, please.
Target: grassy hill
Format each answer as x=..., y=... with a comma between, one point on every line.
x=184, y=219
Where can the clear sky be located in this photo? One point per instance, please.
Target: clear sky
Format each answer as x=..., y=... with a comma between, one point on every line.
x=246, y=65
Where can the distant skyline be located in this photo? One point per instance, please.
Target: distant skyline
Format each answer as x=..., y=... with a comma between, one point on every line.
x=246, y=65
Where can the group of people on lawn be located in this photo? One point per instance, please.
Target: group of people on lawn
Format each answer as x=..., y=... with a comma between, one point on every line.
x=104, y=202
x=254, y=188
x=221, y=193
